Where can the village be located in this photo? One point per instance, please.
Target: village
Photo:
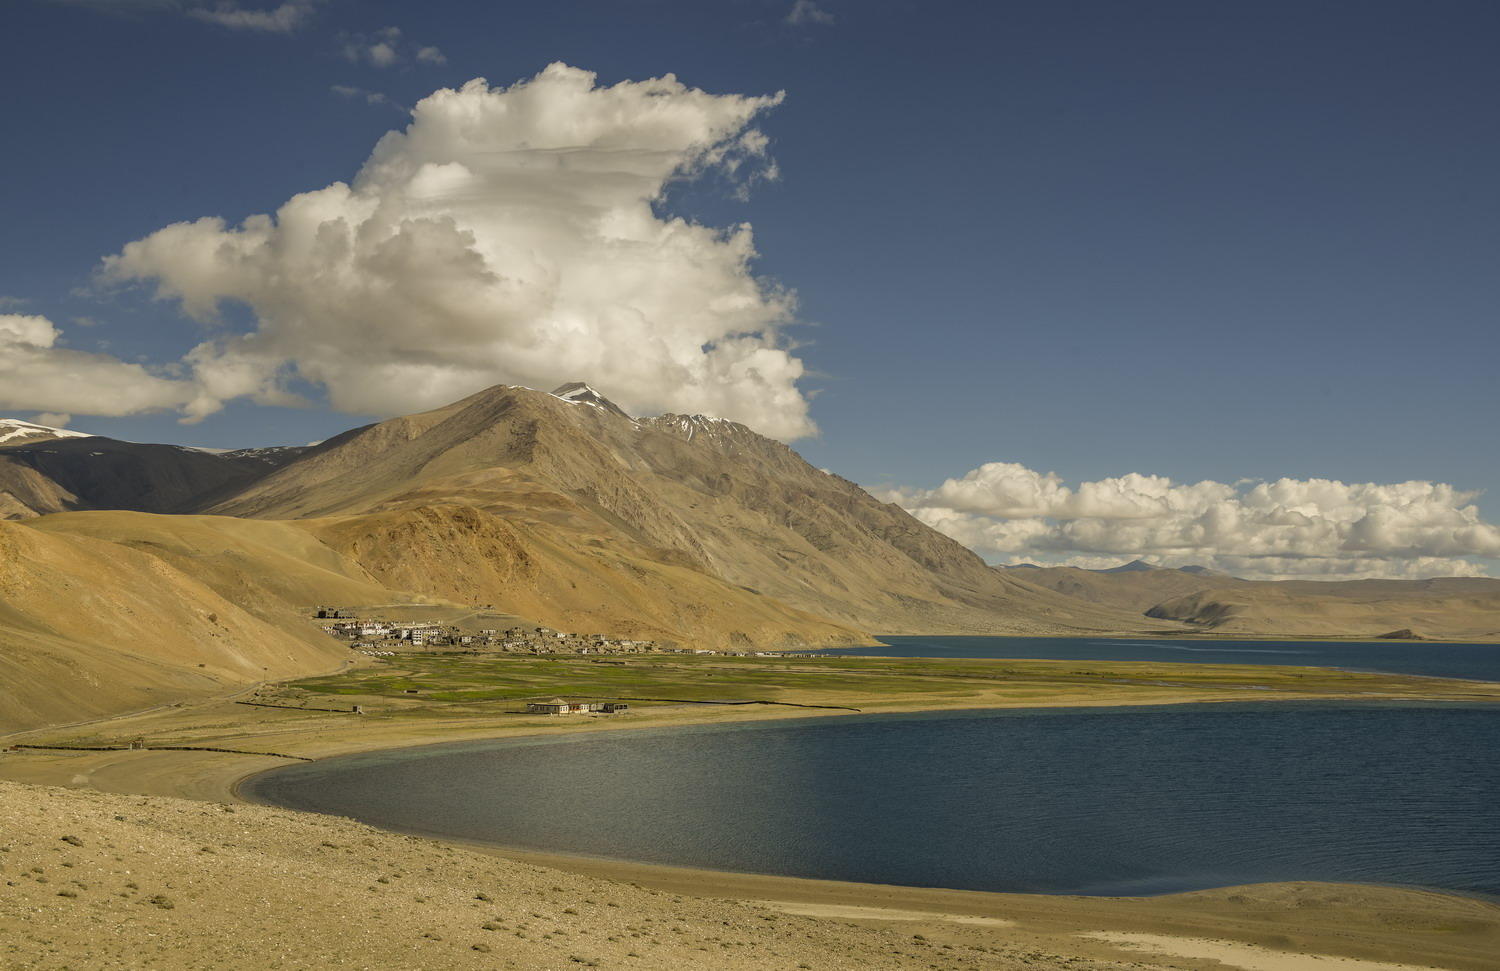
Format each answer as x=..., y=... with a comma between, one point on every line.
x=379, y=636
x=383, y=638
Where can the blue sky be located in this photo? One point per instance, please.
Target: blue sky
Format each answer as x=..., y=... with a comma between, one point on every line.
x=1196, y=241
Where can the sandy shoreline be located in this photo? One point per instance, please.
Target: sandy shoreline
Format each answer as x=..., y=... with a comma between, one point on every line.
x=1354, y=922
x=834, y=896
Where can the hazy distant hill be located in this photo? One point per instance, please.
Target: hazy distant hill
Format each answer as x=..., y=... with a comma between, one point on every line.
x=1132, y=588
x=1454, y=608
x=1213, y=602
x=91, y=472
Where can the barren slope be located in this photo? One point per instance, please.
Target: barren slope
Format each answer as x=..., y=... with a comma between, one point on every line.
x=89, y=628
x=104, y=612
x=676, y=492
x=1137, y=590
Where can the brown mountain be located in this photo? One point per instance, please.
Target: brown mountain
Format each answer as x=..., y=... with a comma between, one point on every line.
x=148, y=614
x=544, y=492
x=161, y=572
x=559, y=509
x=1451, y=608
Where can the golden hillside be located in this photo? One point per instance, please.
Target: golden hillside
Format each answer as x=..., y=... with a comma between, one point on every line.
x=90, y=627
x=583, y=483
x=569, y=513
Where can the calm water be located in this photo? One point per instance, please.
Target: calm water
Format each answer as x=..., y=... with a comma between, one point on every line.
x=1105, y=801
x=1478, y=662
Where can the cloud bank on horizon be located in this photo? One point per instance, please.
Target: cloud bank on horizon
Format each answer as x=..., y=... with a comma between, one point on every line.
x=509, y=235
x=1257, y=530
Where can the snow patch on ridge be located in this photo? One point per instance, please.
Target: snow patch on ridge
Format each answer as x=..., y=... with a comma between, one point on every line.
x=14, y=428
x=578, y=393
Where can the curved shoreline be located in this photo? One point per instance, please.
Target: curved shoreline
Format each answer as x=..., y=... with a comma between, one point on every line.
x=1308, y=918
x=824, y=891
x=688, y=874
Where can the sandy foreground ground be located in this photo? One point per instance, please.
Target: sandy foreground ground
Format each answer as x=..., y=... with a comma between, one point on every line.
x=146, y=859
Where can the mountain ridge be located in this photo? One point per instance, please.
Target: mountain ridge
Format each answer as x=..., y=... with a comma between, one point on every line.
x=559, y=508
x=680, y=489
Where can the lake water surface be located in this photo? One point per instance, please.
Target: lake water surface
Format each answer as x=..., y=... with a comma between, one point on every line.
x=1093, y=801
x=1478, y=662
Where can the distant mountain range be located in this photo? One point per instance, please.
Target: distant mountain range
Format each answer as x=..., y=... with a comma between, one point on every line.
x=1209, y=601
x=72, y=471
x=150, y=571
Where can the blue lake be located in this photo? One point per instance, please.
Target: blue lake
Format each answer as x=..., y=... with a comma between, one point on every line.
x=1094, y=801
x=1478, y=662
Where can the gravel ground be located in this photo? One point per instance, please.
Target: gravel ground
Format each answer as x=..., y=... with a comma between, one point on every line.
x=94, y=880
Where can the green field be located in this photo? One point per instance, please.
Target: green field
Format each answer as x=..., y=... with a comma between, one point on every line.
x=466, y=680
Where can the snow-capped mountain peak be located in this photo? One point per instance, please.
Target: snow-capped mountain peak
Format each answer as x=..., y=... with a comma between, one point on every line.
x=578, y=393
x=14, y=431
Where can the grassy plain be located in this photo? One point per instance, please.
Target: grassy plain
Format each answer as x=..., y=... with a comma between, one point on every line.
x=418, y=699
x=474, y=682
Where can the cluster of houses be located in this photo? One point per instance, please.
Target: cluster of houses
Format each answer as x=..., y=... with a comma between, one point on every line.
x=557, y=706
x=382, y=638
x=375, y=636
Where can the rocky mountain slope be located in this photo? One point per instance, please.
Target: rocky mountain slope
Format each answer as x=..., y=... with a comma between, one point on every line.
x=561, y=509
x=565, y=490
x=160, y=572
x=77, y=471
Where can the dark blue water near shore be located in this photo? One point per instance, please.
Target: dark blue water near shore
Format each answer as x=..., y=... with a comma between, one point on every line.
x=1094, y=801
x=1477, y=662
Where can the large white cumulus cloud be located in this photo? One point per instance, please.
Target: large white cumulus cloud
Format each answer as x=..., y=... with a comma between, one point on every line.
x=38, y=375
x=1289, y=527
x=508, y=235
